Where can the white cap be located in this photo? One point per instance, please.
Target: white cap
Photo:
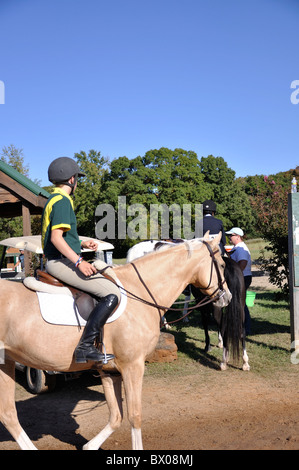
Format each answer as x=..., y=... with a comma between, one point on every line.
x=235, y=230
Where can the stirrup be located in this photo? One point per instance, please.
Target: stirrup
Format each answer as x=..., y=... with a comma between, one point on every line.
x=81, y=356
x=107, y=357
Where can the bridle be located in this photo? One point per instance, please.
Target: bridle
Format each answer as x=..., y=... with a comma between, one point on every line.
x=214, y=265
x=216, y=295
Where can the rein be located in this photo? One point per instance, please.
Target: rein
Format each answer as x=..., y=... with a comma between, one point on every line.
x=205, y=301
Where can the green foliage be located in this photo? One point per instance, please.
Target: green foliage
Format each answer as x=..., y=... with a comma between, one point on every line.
x=89, y=191
x=233, y=205
x=13, y=227
x=161, y=176
x=164, y=176
x=15, y=158
x=270, y=202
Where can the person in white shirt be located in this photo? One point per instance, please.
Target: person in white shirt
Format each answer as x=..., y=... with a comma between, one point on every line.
x=241, y=254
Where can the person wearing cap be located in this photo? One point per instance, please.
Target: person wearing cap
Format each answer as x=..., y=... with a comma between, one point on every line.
x=21, y=261
x=62, y=248
x=241, y=254
x=211, y=223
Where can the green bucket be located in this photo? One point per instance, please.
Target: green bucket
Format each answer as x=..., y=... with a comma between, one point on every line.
x=250, y=296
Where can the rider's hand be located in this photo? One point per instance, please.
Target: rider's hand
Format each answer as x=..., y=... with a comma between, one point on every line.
x=86, y=268
x=89, y=244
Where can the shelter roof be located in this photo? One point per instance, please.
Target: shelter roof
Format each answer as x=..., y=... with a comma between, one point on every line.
x=33, y=243
x=17, y=190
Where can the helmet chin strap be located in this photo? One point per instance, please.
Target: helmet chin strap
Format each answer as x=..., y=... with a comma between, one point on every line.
x=72, y=186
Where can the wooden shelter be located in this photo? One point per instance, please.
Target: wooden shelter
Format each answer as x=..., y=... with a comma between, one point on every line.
x=19, y=196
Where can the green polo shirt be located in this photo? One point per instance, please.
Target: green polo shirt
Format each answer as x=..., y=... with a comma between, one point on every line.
x=59, y=213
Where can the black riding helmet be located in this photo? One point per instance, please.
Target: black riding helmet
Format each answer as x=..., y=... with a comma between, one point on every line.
x=62, y=169
x=209, y=206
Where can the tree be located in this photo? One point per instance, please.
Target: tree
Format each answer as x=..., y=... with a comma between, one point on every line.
x=14, y=157
x=217, y=174
x=161, y=177
x=180, y=177
x=89, y=193
x=270, y=203
x=12, y=227
x=233, y=205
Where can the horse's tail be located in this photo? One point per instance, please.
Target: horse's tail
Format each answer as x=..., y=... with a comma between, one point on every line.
x=233, y=315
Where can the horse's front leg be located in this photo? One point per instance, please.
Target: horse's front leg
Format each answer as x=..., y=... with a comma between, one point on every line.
x=225, y=351
x=218, y=314
x=132, y=379
x=205, y=324
x=112, y=390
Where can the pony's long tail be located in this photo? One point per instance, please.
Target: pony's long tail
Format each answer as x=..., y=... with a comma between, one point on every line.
x=233, y=315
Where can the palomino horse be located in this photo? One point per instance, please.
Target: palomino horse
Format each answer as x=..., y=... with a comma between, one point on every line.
x=230, y=320
x=161, y=276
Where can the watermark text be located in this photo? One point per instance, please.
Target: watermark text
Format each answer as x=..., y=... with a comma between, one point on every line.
x=2, y=352
x=159, y=221
x=2, y=92
x=295, y=94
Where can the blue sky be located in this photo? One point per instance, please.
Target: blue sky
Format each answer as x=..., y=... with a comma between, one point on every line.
x=123, y=77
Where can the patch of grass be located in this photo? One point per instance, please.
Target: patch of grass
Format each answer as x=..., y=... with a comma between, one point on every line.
x=119, y=260
x=256, y=247
x=268, y=346
x=270, y=341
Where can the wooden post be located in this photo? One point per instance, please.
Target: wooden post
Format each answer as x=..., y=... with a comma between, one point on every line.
x=293, y=228
x=26, y=232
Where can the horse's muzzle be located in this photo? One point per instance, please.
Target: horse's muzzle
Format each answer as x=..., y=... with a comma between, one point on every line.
x=224, y=299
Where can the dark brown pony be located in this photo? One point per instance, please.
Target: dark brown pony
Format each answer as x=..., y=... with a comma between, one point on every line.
x=230, y=320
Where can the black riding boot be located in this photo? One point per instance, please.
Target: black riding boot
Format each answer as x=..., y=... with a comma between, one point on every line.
x=86, y=350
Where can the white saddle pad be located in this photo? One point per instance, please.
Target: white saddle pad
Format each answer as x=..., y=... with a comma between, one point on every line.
x=60, y=309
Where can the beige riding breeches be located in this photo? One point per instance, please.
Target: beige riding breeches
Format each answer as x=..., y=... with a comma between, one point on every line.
x=97, y=285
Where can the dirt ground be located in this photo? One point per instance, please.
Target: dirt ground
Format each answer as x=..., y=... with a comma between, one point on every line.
x=214, y=410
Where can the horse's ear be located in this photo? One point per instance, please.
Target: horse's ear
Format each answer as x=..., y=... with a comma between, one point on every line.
x=207, y=235
x=217, y=239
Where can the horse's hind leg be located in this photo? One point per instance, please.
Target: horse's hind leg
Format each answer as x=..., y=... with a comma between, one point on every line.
x=225, y=358
x=112, y=390
x=220, y=340
x=246, y=365
x=225, y=351
x=8, y=412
